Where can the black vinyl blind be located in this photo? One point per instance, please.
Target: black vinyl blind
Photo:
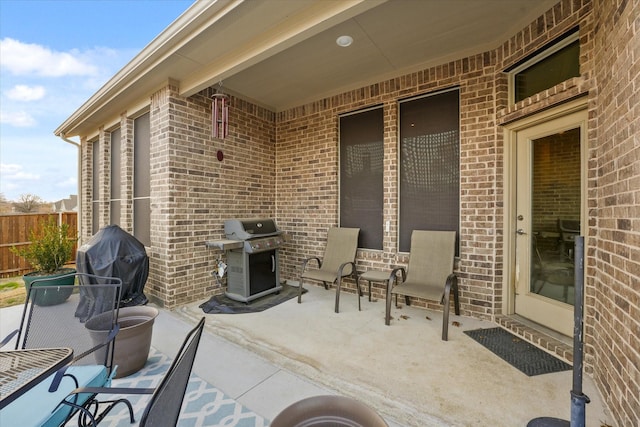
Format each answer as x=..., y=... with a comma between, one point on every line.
x=95, y=187
x=116, y=174
x=429, y=165
x=142, y=179
x=361, y=174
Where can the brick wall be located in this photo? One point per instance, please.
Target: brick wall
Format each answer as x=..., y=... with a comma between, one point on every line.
x=307, y=170
x=613, y=263
x=192, y=192
x=86, y=173
x=285, y=165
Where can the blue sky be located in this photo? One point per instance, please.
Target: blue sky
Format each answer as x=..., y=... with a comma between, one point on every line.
x=55, y=54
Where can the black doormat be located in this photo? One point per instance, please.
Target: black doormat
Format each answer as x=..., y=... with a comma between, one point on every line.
x=517, y=352
x=221, y=304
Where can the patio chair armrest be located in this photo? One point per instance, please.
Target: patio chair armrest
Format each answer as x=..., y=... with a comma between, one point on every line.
x=451, y=285
x=394, y=274
x=61, y=372
x=353, y=268
x=112, y=390
x=57, y=378
x=304, y=263
x=8, y=338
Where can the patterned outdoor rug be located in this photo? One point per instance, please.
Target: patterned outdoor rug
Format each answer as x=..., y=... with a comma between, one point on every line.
x=517, y=352
x=204, y=405
x=221, y=304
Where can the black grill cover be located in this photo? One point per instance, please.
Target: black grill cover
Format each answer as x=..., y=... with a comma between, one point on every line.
x=112, y=252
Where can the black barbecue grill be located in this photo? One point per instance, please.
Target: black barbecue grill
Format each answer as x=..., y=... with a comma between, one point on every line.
x=253, y=267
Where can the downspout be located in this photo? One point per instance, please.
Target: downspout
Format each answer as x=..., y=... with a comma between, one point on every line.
x=79, y=173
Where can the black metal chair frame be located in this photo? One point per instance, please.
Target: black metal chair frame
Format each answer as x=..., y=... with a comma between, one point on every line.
x=162, y=409
x=91, y=302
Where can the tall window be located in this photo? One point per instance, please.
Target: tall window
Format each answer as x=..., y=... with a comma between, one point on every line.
x=142, y=179
x=429, y=165
x=95, y=187
x=116, y=180
x=361, y=170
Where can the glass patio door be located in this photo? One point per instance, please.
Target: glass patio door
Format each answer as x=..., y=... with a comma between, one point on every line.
x=548, y=217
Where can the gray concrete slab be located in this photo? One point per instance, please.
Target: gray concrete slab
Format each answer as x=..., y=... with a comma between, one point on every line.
x=268, y=360
x=403, y=370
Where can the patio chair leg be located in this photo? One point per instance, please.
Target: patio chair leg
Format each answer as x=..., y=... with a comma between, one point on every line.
x=387, y=316
x=445, y=319
x=337, y=309
x=358, y=291
x=300, y=290
x=452, y=283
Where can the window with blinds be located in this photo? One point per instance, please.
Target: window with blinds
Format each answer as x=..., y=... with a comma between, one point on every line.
x=116, y=177
x=142, y=179
x=95, y=186
x=429, y=165
x=361, y=175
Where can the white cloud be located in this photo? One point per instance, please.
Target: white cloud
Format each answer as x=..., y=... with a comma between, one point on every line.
x=20, y=119
x=14, y=172
x=26, y=93
x=33, y=59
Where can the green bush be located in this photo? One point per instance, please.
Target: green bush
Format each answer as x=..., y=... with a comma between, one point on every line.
x=50, y=249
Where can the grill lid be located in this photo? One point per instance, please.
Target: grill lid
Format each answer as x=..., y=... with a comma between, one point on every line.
x=245, y=229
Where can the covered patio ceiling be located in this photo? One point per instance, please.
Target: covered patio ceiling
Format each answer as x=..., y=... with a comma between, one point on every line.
x=283, y=53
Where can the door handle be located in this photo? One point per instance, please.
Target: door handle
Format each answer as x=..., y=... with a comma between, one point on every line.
x=520, y=231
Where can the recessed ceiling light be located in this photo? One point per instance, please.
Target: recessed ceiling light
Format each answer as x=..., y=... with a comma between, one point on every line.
x=344, y=41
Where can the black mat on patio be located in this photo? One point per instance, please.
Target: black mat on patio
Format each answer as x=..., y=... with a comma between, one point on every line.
x=220, y=304
x=517, y=352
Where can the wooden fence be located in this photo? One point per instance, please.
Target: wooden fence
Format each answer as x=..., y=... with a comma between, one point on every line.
x=15, y=231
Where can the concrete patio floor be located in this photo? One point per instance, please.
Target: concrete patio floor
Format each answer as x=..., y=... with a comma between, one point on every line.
x=268, y=360
x=404, y=371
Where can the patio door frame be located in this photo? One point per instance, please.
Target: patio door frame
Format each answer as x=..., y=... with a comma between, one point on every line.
x=511, y=130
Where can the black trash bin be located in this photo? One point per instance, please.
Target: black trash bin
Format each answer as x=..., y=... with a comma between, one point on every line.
x=112, y=252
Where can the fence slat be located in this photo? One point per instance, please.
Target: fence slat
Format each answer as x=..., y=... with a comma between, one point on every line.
x=15, y=231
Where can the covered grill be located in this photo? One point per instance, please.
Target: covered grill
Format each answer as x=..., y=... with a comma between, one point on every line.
x=252, y=257
x=112, y=252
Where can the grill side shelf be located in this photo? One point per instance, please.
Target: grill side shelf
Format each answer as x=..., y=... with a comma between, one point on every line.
x=225, y=245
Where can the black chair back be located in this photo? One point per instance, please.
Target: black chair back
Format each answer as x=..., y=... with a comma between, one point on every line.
x=162, y=410
x=80, y=316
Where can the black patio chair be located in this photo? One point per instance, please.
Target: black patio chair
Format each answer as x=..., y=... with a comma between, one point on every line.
x=58, y=316
x=166, y=401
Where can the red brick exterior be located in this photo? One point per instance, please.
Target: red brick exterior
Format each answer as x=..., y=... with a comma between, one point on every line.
x=612, y=325
x=285, y=165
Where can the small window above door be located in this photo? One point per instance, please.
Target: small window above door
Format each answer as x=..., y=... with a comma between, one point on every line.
x=552, y=65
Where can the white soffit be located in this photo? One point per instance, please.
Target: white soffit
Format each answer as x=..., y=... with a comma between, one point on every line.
x=282, y=53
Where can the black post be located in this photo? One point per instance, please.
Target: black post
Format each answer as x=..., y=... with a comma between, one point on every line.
x=578, y=399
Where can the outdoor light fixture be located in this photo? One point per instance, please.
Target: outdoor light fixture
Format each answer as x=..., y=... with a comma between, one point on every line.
x=344, y=41
x=219, y=114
